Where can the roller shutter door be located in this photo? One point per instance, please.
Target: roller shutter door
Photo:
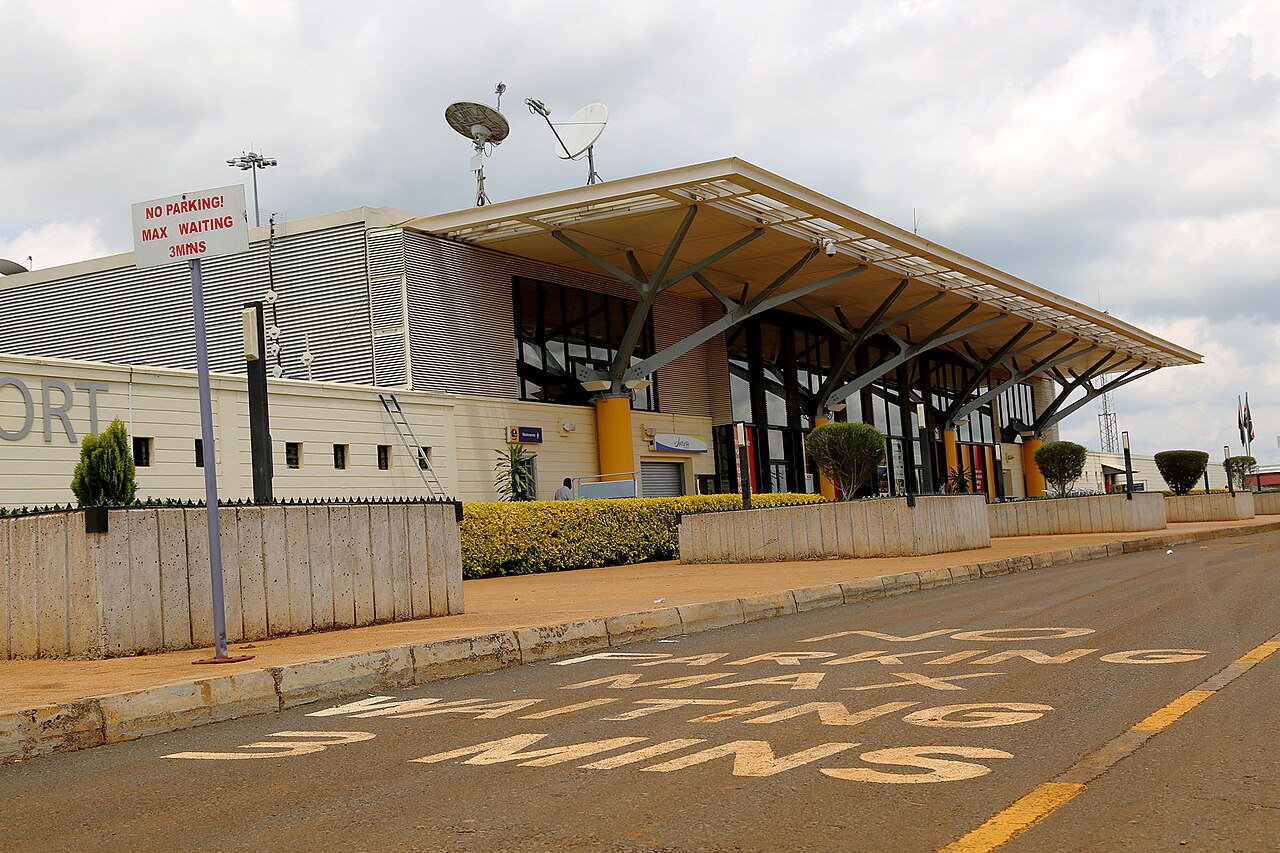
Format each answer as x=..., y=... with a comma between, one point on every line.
x=661, y=479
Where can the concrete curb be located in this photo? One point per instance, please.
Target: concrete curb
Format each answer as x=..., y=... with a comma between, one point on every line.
x=96, y=721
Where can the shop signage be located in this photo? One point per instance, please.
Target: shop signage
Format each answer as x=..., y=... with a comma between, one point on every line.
x=679, y=443
x=192, y=225
x=524, y=435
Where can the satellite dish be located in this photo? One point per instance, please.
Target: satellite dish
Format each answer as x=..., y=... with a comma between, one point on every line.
x=11, y=267
x=576, y=136
x=478, y=122
x=485, y=127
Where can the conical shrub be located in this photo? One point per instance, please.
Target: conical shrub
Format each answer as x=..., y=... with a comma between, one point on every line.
x=105, y=473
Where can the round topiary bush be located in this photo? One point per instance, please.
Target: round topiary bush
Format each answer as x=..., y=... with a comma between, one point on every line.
x=104, y=476
x=1061, y=463
x=1182, y=469
x=848, y=453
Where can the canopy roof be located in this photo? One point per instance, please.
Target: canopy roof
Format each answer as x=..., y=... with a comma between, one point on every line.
x=640, y=216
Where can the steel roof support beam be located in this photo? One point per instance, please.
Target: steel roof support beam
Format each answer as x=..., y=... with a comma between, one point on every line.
x=1093, y=393
x=1046, y=418
x=937, y=338
x=760, y=304
x=874, y=325
x=1016, y=375
x=980, y=374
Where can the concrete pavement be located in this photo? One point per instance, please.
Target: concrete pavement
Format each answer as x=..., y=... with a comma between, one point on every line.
x=55, y=706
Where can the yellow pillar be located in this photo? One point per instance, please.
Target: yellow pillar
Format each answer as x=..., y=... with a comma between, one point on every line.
x=825, y=486
x=949, y=449
x=1031, y=471
x=991, y=473
x=613, y=437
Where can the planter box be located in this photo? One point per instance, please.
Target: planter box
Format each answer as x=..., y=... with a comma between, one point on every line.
x=1212, y=507
x=144, y=585
x=842, y=530
x=1266, y=503
x=1097, y=514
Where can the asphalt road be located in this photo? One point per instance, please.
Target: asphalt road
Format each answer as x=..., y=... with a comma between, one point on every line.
x=900, y=724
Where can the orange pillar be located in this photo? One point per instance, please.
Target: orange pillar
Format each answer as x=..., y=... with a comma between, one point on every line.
x=613, y=437
x=1031, y=471
x=825, y=486
x=991, y=473
x=950, y=450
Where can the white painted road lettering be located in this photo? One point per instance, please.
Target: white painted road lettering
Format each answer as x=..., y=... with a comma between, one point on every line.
x=300, y=743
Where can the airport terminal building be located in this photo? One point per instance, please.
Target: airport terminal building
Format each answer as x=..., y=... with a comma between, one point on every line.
x=618, y=329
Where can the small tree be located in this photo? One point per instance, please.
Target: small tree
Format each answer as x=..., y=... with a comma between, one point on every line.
x=1239, y=467
x=848, y=453
x=1061, y=463
x=513, y=474
x=1182, y=469
x=105, y=473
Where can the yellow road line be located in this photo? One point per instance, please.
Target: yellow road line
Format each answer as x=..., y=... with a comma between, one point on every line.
x=1261, y=653
x=1048, y=797
x=1166, y=716
x=1017, y=818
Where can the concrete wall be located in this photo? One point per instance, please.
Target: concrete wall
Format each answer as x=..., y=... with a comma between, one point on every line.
x=829, y=531
x=1266, y=503
x=1214, y=507
x=145, y=584
x=1101, y=514
x=161, y=404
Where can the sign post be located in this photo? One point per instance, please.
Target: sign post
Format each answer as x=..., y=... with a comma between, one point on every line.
x=189, y=227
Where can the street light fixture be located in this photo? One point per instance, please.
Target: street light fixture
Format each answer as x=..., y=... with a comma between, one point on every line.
x=253, y=161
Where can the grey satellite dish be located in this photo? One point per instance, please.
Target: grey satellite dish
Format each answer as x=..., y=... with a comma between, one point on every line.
x=484, y=126
x=578, y=135
x=11, y=267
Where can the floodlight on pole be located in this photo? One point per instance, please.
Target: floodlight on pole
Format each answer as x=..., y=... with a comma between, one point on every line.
x=252, y=161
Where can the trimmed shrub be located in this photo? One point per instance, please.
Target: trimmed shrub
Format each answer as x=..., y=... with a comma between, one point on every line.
x=504, y=538
x=1061, y=463
x=848, y=453
x=1182, y=469
x=1239, y=468
x=104, y=476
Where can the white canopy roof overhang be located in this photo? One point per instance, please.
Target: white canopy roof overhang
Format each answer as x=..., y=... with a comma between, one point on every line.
x=735, y=233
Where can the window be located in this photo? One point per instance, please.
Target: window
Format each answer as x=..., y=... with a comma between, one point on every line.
x=384, y=457
x=292, y=454
x=424, y=457
x=563, y=333
x=340, y=457
x=199, y=453
x=142, y=452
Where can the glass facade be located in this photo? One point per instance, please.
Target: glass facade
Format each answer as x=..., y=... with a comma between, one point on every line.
x=564, y=332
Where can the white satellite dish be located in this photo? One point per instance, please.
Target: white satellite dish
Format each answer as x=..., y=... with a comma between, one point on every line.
x=485, y=127
x=11, y=267
x=576, y=136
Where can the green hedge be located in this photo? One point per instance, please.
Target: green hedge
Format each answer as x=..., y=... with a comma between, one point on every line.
x=501, y=538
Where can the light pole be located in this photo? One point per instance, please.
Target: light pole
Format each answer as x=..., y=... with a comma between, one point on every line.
x=253, y=161
x=1226, y=454
x=1128, y=466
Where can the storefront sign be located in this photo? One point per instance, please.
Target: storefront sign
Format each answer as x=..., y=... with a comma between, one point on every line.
x=192, y=225
x=524, y=435
x=679, y=443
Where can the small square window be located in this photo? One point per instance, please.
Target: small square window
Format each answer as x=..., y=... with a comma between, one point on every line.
x=141, y=452
x=292, y=454
x=424, y=457
x=340, y=457
x=384, y=457
x=199, y=453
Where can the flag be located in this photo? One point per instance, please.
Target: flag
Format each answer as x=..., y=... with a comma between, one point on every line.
x=1247, y=425
x=1240, y=421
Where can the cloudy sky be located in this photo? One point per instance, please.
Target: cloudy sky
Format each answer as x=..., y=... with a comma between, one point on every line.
x=1125, y=154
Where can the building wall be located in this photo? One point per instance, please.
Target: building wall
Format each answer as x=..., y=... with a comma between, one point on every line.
x=320, y=281
x=1145, y=472
x=462, y=431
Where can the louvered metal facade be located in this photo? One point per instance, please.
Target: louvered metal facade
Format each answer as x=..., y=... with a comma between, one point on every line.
x=379, y=305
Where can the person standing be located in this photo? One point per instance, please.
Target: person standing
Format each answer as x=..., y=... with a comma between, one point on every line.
x=565, y=492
